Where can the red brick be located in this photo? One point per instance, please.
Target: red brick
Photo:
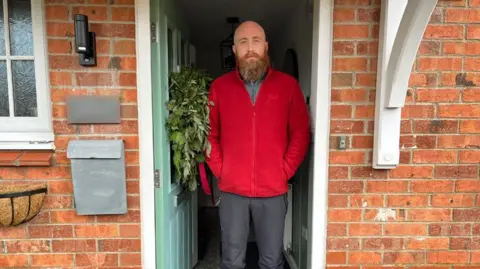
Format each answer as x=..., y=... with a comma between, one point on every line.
x=123, y=14
x=460, y=110
x=126, y=47
x=336, y=257
x=434, y=156
x=436, y=126
x=349, y=64
x=50, y=231
x=443, y=95
x=429, y=214
x=130, y=230
x=407, y=201
x=362, y=229
x=435, y=64
x=427, y=243
x=337, y=201
x=350, y=31
x=470, y=126
x=340, y=111
x=367, y=48
x=349, y=157
x=423, y=79
x=28, y=246
x=460, y=243
x=343, y=14
x=366, y=201
x=344, y=215
x=69, y=217
x=96, y=231
x=96, y=259
x=52, y=260
x=471, y=95
x=366, y=80
x=76, y=245
x=456, y=171
x=335, y=229
x=60, y=187
x=8, y=261
x=60, y=29
x=404, y=258
x=368, y=15
x=447, y=257
x=405, y=229
x=473, y=32
x=120, y=245
x=412, y=172
x=343, y=48
x=60, y=78
x=453, y=200
x=469, y=156
x=459, y=141
x=418, y=111
x=130, y=259
x=342, y=80
x=472, y=64
x=63, y=46
x=387, y=186
x=443, y=31
x=113, y=30
x=365, y=142
x=368, y=172
x=365, y=258
x=449, y=229
x=429, y=48
x=364, y=111
x=343, y=244
x=346, y=126
x=466, y=215
x=432, y=185
x=337, y=172
x=467, y=185
x=56, y=12
x=462, y=15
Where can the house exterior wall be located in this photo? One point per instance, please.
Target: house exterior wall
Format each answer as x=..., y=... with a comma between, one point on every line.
x=58, y=237
x=425, y=212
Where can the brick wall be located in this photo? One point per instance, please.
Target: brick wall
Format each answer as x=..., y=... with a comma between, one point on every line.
x=57, y=237
x=425, y=212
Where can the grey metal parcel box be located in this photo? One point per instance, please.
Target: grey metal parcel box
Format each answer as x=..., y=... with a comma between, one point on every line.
x=98, y=174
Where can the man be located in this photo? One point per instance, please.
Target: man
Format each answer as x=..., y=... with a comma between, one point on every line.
x=260, y=133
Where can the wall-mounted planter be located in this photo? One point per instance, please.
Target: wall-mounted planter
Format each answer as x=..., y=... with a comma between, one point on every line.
x=20, y=203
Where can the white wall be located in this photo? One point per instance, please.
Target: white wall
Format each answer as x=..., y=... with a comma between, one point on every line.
x=297, y=35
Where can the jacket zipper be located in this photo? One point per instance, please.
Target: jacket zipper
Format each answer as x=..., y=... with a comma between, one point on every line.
x=254, y=151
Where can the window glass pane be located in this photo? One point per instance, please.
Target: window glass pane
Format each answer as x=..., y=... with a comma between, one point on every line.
x=20, y=20
x=4, y=107
x=2, y=31
x=24, y=90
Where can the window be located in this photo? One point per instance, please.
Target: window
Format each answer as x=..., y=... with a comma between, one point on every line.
x=25, y=114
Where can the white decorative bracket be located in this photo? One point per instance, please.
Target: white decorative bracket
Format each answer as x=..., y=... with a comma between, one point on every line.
x=402, y=25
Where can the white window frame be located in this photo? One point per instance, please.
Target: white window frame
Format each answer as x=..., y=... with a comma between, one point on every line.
x=30, y=132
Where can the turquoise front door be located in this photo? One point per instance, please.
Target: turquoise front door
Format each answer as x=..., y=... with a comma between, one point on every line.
x=176, y=207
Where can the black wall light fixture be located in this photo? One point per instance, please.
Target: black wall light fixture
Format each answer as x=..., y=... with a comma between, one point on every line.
x=85, y=41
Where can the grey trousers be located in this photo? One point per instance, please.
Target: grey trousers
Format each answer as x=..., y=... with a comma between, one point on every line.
x=268, y=216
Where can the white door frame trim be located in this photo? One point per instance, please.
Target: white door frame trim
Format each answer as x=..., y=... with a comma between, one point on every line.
x=321, y=81
x=321, y=77
x=145, y=133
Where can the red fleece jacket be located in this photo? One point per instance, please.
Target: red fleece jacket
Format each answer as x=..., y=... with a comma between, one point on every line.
x=256, y=148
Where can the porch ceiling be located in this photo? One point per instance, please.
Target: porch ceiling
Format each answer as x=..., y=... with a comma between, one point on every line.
x=207, y=18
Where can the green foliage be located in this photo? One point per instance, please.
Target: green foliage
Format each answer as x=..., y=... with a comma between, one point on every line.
x=188, y=122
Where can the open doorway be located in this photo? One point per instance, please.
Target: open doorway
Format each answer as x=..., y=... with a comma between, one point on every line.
x=289, y=29
x=191, y=32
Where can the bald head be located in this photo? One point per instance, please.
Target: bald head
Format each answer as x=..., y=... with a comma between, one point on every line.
x=249, y=29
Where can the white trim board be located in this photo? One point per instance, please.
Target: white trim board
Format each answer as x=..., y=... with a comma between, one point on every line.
x=321, y=90
x=145, y=129
x=321, y=77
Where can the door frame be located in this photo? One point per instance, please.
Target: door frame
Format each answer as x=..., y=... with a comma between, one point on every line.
x=321, y=79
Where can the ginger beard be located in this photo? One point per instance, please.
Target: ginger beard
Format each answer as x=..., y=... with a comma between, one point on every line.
x=252, y=66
